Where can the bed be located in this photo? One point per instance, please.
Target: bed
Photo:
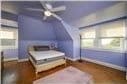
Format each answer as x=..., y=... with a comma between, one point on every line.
x=43, y=58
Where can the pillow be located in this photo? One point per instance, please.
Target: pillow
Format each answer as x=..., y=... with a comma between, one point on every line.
x=41, y=48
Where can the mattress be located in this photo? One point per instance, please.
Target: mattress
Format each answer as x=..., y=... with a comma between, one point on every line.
x=40, y=57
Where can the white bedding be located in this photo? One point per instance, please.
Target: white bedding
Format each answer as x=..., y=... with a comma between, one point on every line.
x=39, y=55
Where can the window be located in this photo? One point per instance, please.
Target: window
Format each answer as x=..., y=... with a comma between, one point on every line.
x=109, y=36
x=112, y=35
x=112, y=43
x=88, y=38
x=8, y=37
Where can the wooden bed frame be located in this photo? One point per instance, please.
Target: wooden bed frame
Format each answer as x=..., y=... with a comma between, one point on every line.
x=45, y=66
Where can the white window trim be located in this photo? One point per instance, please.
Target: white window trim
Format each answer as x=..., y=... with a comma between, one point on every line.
x=102, y=49
x=97, y=43
x=125, y=25
x=97, y=39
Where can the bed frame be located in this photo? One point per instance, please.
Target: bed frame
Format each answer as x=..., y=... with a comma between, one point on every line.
x=45, y=66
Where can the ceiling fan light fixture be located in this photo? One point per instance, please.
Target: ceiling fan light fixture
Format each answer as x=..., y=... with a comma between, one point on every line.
x=47, y=13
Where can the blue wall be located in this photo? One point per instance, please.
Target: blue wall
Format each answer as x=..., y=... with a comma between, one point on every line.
x=126, y=60
x=33, y=29
x=115, y=58
x=10, y=53
x=33, y=32
x=66, y=47
x=60, y=31
x=65, y=42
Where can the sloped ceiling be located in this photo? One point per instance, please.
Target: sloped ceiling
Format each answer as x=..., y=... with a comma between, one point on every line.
x=74, y=10
x=18, y=7
x=77, y=9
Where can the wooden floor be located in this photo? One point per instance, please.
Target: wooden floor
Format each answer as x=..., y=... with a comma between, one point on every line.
x=23, y=73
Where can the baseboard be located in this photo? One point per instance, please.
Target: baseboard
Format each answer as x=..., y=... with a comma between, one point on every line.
x=126, y=75
x=72, y=59
x=10, y=59
x=23, y=60
x=106, y=64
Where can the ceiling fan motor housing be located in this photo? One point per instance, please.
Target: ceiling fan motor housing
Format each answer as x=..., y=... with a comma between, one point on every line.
x=47, y=13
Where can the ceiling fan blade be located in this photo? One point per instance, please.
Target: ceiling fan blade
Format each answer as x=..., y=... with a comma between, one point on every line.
x=45, y=17
x=60, y=8
x=56, y=16
x=43, y=4
x=35, y=9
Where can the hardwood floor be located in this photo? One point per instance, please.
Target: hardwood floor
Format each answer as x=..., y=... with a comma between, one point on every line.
x=23, y=73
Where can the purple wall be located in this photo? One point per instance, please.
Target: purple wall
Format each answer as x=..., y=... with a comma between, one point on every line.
x=66, y=47
x=60, y=31
x=126, y=60
x=65, y=42
x=33, y=32
x=105, y=56
x=33, y=29
x=10, y=53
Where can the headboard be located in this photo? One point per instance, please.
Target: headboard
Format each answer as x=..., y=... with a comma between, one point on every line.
x=39, y=48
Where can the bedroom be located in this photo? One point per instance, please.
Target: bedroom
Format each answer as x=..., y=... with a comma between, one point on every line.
x=89, y=36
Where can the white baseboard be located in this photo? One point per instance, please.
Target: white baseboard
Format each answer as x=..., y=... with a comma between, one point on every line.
x=126, y=75
x=106, y=64
x=72, y=59
x=23, y=60
x=10, y=59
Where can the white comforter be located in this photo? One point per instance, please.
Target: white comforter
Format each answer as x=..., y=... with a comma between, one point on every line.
x=39, y=55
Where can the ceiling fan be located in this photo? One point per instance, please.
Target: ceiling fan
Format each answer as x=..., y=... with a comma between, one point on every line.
x=48, y=10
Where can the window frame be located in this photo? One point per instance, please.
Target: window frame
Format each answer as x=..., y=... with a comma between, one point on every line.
x=15, y=32
x=97, y=43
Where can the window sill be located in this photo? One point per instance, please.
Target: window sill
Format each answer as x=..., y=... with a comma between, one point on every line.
x=8, y=47
x=108, y=50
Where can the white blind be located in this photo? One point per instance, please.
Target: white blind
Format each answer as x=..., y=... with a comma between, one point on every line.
x=7, y=35
x=88, y=33
x=113, y=29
